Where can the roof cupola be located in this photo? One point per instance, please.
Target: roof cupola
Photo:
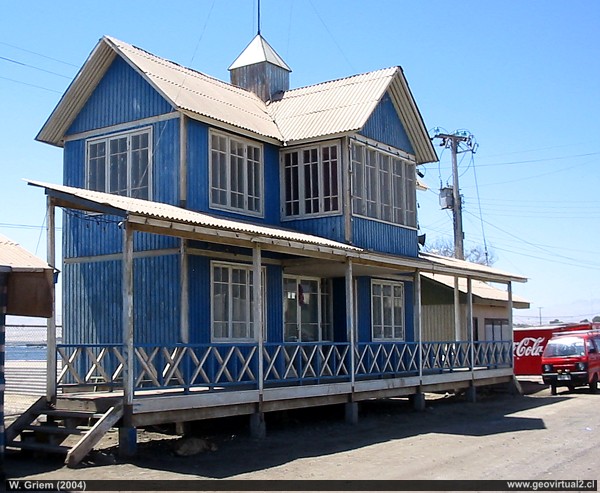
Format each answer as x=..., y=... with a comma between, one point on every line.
x=261, y=70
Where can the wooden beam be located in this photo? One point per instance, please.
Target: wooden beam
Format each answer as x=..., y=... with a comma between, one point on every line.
x=258, y=312
x=127, y=294
x=51, y=322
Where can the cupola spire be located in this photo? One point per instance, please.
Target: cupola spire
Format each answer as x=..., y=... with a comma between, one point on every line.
x=260, y=69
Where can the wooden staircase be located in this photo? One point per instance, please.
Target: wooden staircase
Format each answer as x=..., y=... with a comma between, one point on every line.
x=71, y=433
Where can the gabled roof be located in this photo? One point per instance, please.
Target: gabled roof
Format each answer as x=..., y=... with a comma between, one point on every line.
x=256, y=52
x=17, y=259
x=330, y=109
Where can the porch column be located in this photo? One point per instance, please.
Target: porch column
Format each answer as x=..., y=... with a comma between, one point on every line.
x=418, y=320
x=258, y=428
x=350, y=318
x=3, y=304
x=471, y=391
x=127, y=433
x=258, y=312
x=51, y=322
x=510, y=306
x=457, y=331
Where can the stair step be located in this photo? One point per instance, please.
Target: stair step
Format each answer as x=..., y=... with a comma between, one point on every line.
x=65, y=413
x=57, y=430
x=40, y=447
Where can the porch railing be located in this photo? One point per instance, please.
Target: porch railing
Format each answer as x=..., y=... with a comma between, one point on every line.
x=220, y=366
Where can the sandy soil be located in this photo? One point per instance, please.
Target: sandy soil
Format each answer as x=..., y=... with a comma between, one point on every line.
x=534, y=436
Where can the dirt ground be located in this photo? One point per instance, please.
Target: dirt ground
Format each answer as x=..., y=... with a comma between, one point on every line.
x=534, y=436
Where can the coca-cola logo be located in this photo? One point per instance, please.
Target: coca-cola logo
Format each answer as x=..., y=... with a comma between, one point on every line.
x=529, y=346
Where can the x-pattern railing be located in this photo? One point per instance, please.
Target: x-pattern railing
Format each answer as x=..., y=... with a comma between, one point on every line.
x=305, y=361
x=386, y=358
x=446, y=355
x=90, y=364
x=492, y=354
x=221, y=365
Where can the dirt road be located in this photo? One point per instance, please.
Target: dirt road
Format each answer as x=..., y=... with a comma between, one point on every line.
x=535, y=436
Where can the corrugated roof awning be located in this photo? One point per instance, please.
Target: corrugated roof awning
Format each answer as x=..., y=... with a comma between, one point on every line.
x=159, y=218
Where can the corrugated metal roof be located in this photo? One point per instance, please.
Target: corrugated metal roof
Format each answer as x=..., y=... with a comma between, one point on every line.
x=454, y=263
x=480, y=289
x=256, y=52
x=18, y=259
x=172, y=213
x=331, y=108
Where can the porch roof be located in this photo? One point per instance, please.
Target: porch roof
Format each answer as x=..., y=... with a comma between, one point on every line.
x=165, y=219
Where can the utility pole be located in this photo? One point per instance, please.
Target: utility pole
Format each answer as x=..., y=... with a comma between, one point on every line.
x=453, y=142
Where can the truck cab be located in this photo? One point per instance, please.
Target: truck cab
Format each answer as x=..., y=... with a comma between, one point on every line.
x=572, y=360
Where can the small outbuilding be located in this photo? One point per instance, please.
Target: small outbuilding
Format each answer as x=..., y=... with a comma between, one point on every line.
x=27, y=289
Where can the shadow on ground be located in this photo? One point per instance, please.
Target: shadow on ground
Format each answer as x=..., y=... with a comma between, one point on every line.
x=318, y=432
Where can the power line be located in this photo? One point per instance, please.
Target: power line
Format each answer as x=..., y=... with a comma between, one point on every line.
x=34, y=67
x=39, y=54
x=31, y=85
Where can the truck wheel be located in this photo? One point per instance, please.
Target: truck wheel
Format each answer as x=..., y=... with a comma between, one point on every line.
x=594, y=385
x=553, y=389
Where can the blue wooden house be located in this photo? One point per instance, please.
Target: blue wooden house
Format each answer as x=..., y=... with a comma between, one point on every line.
x=244, y=247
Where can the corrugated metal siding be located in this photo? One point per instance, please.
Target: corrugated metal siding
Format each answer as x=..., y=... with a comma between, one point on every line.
x=92, y=235
x=263, y=79
x=331, y=227
x=198, y=177
x=437, y=322
x=384, y=126
x=363, y=308
x=121, y=96
x=92, y=301
x=199, y=296
x=157, y=299
x=383, y=237
x=274, y=311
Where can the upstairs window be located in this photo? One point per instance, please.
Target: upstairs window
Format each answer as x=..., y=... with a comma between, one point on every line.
x=311, y=181
x=236, y=170
x=384, y=186
x=120, y=164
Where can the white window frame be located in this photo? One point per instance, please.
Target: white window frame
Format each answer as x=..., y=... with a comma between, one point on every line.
x=229, y=170
x=370, y=190
x=106, y=140
x=395, y=324
x=324, y=303
x=320, y=199
x=249, y=308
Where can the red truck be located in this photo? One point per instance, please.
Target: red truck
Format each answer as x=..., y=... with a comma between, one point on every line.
x=530, y=342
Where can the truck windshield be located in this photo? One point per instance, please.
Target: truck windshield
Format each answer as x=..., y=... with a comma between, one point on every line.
x=565, y=346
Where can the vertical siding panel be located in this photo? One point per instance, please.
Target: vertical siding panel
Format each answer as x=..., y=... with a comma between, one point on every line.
x=409, y=311
x=121, y=96
x=340, y=333
x=331, y=227
x=199, y=279
x=274, y=301
x=197, y=193
x=383, y=237
x=384, y=125
x=363, y=308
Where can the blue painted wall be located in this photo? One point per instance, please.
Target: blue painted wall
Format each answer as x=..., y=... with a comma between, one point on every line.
x=93, y=301
x=199, y=296
x=383, y=237
x=121, y=96
x=198, y=177
x=385, y=126
x=331, y=227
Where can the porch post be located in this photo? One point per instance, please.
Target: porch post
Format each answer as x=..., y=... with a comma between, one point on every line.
x=350, y=319
x=510, y=318
x=128, y=314
x=127, y=433
x=457, y=331
x=418, y=320
x=258, y=312
x=258, y=428
x=51, y=322
x=472, y=391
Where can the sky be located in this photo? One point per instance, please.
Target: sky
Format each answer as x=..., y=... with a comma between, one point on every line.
x=521, y=76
